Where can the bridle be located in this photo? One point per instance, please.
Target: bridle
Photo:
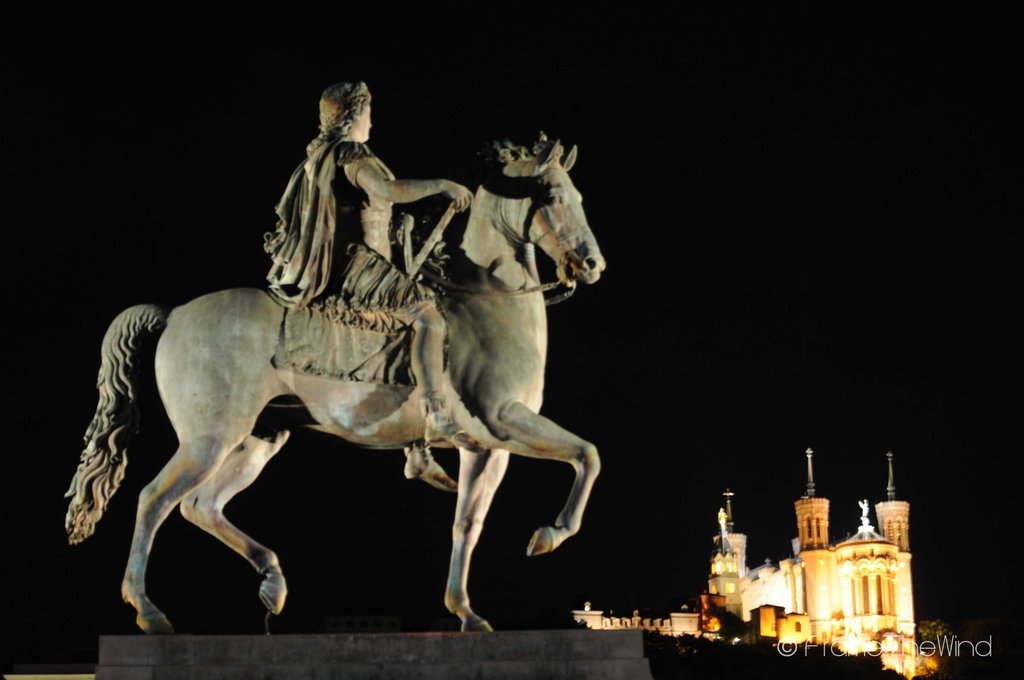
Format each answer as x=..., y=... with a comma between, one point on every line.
x=568, y=262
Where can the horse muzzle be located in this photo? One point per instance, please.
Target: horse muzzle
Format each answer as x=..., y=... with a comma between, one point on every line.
x=588, y=270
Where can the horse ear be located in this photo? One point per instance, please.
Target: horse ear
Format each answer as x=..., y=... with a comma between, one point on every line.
x=570, y=159
x=551, y=155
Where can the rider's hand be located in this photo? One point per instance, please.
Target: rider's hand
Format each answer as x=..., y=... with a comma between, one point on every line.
x=460, y=194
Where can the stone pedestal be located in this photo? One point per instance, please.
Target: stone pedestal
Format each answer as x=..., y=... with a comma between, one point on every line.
x=533, y=655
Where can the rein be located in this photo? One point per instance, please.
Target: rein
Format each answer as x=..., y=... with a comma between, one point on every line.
x=542, y=288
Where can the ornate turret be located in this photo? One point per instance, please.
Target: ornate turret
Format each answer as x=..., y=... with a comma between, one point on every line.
x=737, y=540
x=817, y=564
x=893, y=515
x=812, y=513
x=725, y=566
x=894, y=521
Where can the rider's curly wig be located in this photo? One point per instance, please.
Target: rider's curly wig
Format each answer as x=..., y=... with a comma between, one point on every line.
x=341, y=105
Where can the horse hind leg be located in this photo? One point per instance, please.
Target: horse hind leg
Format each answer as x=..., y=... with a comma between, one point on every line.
x=204, y=507
x=192, y=465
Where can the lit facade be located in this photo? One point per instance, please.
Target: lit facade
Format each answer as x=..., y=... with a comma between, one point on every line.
x=856, y=594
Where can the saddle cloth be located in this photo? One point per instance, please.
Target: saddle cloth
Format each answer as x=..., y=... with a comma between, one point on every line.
x=360, y=334
x=312, y=342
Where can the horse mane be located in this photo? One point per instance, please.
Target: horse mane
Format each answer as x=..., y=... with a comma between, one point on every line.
x=484, y=168
x=495, y=154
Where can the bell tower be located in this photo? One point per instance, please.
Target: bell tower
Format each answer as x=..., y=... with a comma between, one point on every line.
x=893, y=515
x=811, y=513
x=737, y=540
x=816, y=561
x=724, y=578
x=894, y=519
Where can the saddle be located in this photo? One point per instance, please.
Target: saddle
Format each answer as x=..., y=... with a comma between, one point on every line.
x=359, y=334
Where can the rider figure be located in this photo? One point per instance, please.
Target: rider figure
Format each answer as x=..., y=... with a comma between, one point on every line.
x=324, y=218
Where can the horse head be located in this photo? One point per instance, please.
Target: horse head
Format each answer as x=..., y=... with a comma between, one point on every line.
x=552, y=216
x=559, y=225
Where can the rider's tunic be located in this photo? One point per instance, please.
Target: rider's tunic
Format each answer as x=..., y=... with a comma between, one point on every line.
x=325, y=250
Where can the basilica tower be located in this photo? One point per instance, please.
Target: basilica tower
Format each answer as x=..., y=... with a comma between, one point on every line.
x=736, y=539
x=812, y=514
x=816, y=560
x=894, y=520
x=725, y=567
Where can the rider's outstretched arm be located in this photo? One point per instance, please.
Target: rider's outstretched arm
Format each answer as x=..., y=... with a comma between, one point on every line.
x=371, y=180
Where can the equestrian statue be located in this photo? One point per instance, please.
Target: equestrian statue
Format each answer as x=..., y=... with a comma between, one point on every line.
x=428, y=352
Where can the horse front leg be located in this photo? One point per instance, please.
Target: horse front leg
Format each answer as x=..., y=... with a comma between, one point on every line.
x=479, y=477
x=533, y=435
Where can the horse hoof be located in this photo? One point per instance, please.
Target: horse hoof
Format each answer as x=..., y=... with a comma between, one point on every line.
x=475, y=624
x=154, y=623
x=543, y=541
x=273, y=591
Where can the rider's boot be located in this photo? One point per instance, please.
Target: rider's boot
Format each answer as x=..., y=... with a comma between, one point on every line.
x=419, y=464
x=441, y=428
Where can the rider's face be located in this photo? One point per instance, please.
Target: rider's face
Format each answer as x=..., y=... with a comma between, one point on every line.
x=360, y=130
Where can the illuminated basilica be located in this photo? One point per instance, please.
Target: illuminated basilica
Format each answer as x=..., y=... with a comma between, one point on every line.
x=856, y=594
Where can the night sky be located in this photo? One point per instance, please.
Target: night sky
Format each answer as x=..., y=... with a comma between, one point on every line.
x=810, y=242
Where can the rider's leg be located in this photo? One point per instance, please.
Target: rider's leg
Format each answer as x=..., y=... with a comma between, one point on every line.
x=428, y=347
x=427, y=359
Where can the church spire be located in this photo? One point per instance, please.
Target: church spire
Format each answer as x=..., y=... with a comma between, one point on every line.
x=891, y=488
x=811, y=514
x=894, y=515
x=728, y=508
x=810, y=473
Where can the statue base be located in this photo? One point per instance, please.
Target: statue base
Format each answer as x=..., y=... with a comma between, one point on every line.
x=536, y=655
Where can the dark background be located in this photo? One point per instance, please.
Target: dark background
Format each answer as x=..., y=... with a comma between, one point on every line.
x=810, y=242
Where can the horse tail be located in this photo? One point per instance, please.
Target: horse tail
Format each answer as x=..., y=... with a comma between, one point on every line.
x=104, y=458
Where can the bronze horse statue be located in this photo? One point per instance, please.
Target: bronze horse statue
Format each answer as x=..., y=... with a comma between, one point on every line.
x=215, y=377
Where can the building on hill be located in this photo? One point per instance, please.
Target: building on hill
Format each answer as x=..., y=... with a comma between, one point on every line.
x=855, y=594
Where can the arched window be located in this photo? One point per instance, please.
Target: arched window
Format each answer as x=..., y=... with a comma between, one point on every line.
x=797, y=627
